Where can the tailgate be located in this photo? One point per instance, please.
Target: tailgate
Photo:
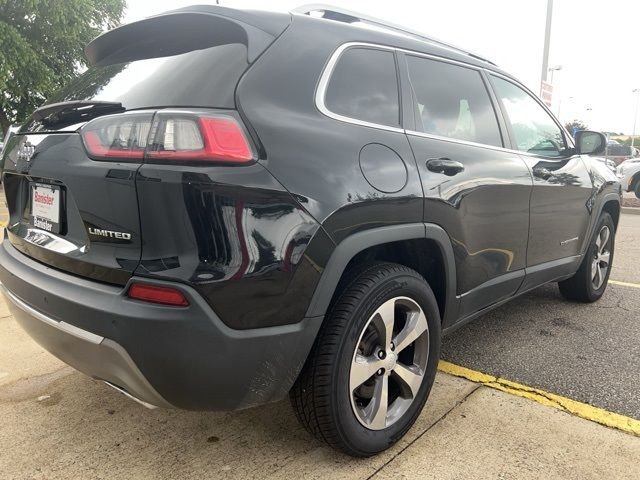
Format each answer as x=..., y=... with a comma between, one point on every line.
x=70, y=212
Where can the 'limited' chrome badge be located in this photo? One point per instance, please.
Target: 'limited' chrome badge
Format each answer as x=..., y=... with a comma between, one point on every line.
x=109, y=235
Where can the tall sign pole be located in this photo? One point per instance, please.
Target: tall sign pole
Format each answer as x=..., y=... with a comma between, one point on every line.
x=547, y=42
x=635, y=116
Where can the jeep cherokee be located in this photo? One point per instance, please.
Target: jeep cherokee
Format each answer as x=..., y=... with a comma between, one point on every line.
x=231, y=206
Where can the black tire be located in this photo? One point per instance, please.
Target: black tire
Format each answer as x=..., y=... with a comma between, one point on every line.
x=580, y=287
x=321, y=396
x=636, y=188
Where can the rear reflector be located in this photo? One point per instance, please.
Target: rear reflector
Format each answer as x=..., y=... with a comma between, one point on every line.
x=157, y=294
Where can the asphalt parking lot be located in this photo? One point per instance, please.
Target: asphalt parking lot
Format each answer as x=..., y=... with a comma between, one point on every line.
x=590, y=353
x=58, y=424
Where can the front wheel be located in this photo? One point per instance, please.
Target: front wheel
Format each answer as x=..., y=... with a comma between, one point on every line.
x=374, y=362
x=590, y=281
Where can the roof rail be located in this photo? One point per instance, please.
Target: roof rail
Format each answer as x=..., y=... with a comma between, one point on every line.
x=339, y=14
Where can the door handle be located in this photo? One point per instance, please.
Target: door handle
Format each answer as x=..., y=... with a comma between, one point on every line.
x=445, y=165
x=542, y=173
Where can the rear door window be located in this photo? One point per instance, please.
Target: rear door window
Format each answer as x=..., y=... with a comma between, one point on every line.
x=452, y=101
x=364, y=86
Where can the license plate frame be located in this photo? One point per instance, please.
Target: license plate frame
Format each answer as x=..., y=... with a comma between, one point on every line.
x=46, y=207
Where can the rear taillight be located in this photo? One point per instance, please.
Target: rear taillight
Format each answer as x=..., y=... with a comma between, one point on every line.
x=118, y=137
x=172, y=137
x=218, y=138
x=157, y=294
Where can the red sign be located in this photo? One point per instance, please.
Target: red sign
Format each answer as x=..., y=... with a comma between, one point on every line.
x=546, y=93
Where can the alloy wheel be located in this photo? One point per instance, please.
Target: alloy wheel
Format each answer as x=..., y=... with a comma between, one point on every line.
x=389, y=363
x=601, y=258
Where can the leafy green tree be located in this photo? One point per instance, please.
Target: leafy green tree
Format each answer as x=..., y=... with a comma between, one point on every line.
x=41, y=48
x=575, y=124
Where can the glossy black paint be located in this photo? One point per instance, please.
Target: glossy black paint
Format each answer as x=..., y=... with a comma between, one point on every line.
x=254, y=240
x=559, y=213
x=94, y=194
x=235, y=234
x=265, y=244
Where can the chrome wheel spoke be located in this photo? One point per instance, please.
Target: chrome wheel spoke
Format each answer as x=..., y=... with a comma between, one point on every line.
x=376, y=411
x=604, y=239
x=416, y=325
x=362, y=369
x=605, y=257
x=603, y=274
x=598, y=278
x=409, y=378
x=384, y=319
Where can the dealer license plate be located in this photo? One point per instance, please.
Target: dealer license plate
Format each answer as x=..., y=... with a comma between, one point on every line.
x=45, y=207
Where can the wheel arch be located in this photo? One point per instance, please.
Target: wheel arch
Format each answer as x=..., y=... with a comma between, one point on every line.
x=396, y=244
x=635, y=178
x=612, y=207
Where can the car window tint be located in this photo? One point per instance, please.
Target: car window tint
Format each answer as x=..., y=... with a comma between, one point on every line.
x=452, y=101
x=533, y=128
x=364, y=86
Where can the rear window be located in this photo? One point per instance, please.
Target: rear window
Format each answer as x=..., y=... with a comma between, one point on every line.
x=200, y=78
x=364, y=86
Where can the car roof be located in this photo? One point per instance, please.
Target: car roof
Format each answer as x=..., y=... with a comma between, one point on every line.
x=409, y=40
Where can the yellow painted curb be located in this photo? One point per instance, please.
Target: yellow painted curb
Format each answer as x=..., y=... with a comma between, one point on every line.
x=582, y=410
x=625, y=284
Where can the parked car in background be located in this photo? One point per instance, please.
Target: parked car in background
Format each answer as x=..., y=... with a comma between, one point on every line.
x=629, y=174
x=618, y=152
x=231, y=206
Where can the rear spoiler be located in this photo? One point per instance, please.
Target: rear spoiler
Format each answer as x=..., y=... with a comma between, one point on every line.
x=185, y=30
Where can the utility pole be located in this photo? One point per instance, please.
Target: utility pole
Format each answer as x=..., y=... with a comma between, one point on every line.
x=547, y=42
x=635, y=116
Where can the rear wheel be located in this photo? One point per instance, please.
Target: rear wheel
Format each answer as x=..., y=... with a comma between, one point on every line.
x=374, y=362
x=636, y=188
x=590, y=281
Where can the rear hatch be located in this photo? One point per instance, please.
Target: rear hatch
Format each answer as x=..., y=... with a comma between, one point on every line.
x=69, y=174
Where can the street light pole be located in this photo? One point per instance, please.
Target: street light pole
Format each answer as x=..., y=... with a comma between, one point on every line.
x=554, y=69
x=547, y=41
x=635, y=116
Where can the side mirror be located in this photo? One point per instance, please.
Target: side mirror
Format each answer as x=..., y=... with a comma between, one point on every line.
x=590, y=143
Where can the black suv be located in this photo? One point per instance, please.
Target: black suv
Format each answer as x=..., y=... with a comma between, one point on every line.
x=232, y=206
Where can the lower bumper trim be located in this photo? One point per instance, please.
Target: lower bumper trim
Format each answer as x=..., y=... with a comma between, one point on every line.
x=62, y=326
x=129, y=396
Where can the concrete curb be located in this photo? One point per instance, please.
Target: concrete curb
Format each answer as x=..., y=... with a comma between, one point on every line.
x=631, y=210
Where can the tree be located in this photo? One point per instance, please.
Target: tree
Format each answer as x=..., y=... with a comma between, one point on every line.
x=575, y=125
x=41, y=48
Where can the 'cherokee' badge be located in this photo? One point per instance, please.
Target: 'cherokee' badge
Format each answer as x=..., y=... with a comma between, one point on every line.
x=26, y=151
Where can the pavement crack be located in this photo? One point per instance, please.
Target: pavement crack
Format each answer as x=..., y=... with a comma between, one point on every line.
x=500, y=384
x=446, y=414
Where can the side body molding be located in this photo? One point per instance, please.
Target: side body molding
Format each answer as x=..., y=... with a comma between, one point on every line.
x=360, y=241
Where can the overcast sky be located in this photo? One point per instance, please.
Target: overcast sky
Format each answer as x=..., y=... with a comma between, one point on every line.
x=595, y=42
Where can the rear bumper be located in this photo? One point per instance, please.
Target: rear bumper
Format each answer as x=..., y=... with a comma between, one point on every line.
x=164, y=356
